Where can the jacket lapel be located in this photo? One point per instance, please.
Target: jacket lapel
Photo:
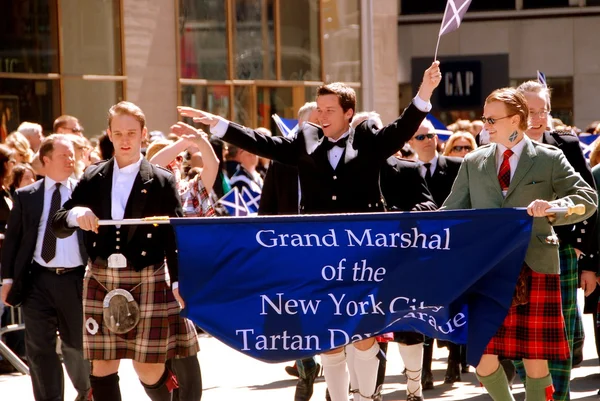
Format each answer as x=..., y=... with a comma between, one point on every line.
x=37, y=201
x=489, y=166
x=139, y=195
x=106, y=172
x=350, y=152
x=524, y=165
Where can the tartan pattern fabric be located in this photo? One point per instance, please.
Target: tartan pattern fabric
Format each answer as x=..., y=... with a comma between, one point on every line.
x=504, y=173
x=161, y=333
x=195, y=200
x=535, y=330
x=569, y=280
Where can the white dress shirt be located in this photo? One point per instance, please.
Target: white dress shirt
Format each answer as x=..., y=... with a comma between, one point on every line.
x=67, y=249
x=423, y=169
x=335, y=153
x=122, y=183
x=513, y=160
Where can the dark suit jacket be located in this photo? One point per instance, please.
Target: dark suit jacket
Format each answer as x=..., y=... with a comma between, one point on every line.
x=154, y=193
x=403, y=187
x=442, y=179
x=21, y=237
x=280, y=190
x=353, y=186
x=582, y=234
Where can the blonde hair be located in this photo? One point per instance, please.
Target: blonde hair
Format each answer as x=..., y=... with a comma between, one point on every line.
x=21, y=145
x=595, y=154
x=156, y=147
x=127, y=109
x=514, y=102
x=455, y=137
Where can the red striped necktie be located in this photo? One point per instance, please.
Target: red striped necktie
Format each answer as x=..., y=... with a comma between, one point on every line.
x=504, y=173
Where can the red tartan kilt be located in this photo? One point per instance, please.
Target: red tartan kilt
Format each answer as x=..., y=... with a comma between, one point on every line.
x=535, y=330
x=161, y=333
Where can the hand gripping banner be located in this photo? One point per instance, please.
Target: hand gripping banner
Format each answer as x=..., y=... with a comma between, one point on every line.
x=284, y=288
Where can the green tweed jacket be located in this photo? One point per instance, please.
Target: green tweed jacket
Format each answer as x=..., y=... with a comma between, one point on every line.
x=542, y=172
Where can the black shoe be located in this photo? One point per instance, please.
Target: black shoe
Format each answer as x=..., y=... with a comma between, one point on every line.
x=426, y=382
x=452, y=373
x=6, y=367
x=412, y=397
x=577, y=352
x=510, y=370
x=465, y=369
x=292, y=371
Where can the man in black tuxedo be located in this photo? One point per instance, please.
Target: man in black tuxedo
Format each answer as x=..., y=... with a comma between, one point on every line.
x=45, y=275
x=339, y=173
x=578, y=246
x=438, y=170
x=129, y=258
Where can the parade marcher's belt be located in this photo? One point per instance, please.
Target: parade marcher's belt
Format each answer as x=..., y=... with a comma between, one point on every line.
x=121, y=312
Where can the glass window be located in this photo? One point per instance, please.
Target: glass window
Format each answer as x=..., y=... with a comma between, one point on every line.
x=274, y=101
x=254, y=39
x=545, y=3
x=214, y=99
x=341, y=40
x=91, y=34
x=203, y=36
x=438, y=6
x=31, y=100
x=242, y=106
x=300, y=50
x=29, y=36
x=91, y=112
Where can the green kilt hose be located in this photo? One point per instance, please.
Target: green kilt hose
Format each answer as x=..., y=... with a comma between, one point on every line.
x=161, y=333
x=560, y=370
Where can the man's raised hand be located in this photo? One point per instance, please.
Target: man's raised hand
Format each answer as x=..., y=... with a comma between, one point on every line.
x=199, y=116
x=431, y=79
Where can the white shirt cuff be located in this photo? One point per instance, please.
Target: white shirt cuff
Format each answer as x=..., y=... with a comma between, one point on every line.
x=421, y=104
x=220, y=129
x=7, y=281
x=74, y=214
x=175, y=285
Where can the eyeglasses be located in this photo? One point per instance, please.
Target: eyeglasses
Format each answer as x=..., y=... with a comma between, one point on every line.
x=540, y=114
x=492, y=121
x=461, y=148
x=422, y=137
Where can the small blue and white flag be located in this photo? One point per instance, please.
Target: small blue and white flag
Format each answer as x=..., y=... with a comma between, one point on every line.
x=286, y=126
x=234, y=203
x=586, y=142
x=542, y=78
x=251, y=198
x=453, y=15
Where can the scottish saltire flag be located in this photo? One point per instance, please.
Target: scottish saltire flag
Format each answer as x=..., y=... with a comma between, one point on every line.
x=440, y=129
x=287, y=126
x=234, y=203
x=280, y=288
x=542, y=78
x=251, y=199
x=453, y=15
x=586, y=142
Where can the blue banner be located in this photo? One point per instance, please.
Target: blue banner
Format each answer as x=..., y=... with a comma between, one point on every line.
x=283, y=288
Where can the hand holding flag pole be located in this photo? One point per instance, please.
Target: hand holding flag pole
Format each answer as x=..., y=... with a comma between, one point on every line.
x=453, y=15
x=577, y=209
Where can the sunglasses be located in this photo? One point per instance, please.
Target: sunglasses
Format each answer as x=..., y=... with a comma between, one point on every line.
x=492, y=121
x=461, y=148
x=422, y=137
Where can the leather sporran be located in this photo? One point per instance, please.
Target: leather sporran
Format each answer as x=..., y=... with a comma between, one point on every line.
x=121, y=313
x=521, y=295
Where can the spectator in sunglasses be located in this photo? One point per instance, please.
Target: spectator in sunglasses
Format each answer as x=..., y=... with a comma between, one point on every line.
x=459, y=144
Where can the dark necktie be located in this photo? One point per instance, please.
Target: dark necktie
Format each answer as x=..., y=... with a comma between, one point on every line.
x=427, y=172
x=330, y=145
x=504, y=173
x=49, y=243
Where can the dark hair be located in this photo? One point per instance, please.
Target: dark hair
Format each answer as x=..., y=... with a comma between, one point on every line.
x=47, y=146
x=106, y=147
x=217, y=145
x=344, y=93
x=6, y=154
x=17, y=175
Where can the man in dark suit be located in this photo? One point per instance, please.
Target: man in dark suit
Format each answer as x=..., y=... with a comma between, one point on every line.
x=439, y=171
x=578, y=248
x=129, y=258
x=45, y=275
x=339, y=173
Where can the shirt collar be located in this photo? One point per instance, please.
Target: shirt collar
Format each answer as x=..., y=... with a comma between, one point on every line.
x=517, y=149
x=433, y=161
x=340, y=138
x=49, y=183
x=130, y=169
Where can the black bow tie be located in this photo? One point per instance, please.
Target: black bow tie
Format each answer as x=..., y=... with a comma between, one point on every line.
x=327, y=144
